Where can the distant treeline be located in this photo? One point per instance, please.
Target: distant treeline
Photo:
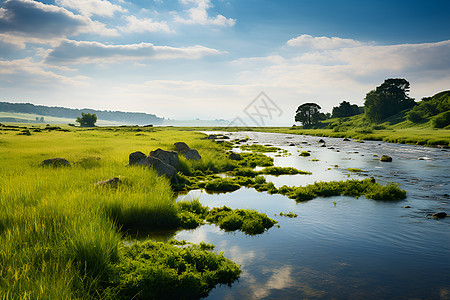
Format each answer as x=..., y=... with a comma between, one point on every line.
x=63, y=112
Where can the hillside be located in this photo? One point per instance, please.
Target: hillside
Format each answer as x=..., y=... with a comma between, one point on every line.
x=27, y=112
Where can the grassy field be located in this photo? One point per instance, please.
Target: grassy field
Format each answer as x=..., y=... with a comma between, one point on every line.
x=61, y=235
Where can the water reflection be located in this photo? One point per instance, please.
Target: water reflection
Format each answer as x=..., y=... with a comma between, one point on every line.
x=358, y=248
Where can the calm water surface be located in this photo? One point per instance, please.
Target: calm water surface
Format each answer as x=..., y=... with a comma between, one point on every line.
x=356, y=249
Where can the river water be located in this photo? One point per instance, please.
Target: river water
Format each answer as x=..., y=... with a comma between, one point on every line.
x=341, y=247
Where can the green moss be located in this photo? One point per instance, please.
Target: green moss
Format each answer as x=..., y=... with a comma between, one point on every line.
x=282, y=171
x=288, y=215
x=355, y=170
x=222, y=185
x=355, y=188
x=155, y=270
x=255, y=160
x=248, y=221
x=259, y=148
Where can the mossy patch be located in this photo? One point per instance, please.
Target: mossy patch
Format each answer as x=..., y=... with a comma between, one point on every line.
x=155, y=270
x=305, y=153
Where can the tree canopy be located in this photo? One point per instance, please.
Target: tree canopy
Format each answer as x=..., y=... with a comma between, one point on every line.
x=345, y=109
x=87, y=120
x=387, y=99
x=309, y=113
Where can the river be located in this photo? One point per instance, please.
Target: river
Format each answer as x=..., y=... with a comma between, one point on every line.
x=341, y=247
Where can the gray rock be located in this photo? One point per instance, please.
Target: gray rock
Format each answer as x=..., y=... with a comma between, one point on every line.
x=235, y=156
x=159, y=166
x=113, y=182
x=56, y=162
x=181, y=146
x=136, y=157
x=168, y=157
x=192, y=154
x=346, y=140
x=321, y=141
x=291, y=144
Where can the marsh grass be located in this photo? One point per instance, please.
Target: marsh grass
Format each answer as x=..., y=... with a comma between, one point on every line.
x=59, y=232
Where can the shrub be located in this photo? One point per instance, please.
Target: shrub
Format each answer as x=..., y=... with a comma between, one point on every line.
x=442, y=120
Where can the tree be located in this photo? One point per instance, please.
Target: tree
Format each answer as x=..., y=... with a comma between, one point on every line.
x=308, y=113
x=345, y=109
x=87, y=120
x=387, y=99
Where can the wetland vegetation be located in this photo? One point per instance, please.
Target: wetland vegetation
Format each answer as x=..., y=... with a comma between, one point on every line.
x=64, y=235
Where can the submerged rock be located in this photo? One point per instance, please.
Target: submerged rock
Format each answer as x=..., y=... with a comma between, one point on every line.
x=386, y=158
x=440, y=215
x=56, y=162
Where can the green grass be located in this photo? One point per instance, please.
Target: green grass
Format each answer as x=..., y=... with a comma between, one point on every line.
x=60, y=234
x=354, y=188
x=259, y=148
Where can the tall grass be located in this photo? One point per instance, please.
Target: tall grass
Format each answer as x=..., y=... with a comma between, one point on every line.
x=59, y=232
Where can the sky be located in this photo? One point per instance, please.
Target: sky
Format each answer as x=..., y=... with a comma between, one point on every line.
x=212, y=59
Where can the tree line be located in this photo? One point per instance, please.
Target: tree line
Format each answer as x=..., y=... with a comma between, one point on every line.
x=63, y=112
x=385, y=101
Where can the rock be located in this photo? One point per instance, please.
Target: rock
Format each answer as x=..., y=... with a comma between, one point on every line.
x=192, y=154
x=443, y=146
x=406, y=206
x=346, y=140
x=225, y=137
x=210, y=137
x=323, y=145
x=386, y=158
x=168, y=157
x=321, y=141
x=181, y=146
x=235, y=156
x=113, y=182
x=440, y=215
x=135, y=157
x=160, y=166
x=291, y=144
x=331, y=148
x=56, y=162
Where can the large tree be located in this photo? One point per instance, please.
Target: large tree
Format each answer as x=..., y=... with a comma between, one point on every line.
x=87, y=120
x=308, y=113
x=387, y=99
x=345, y=109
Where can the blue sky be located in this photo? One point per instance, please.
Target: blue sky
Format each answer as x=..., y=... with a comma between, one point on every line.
x=208, y=59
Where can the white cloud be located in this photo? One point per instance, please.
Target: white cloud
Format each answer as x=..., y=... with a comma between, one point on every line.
x=34, y=21
x=26, y=72
x=322, y=43
x=199, y=14
x=144, y=25
x=88, y=8
x=73, y=52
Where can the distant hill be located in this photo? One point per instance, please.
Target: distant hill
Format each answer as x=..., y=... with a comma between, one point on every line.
x=119, y=117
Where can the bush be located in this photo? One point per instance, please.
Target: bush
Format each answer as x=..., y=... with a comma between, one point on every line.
x=442, y=120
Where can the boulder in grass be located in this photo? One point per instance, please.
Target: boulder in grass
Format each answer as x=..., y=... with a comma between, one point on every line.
x=192, y=154
x=181, y=146
x=136, y=157
x=160, y=166
x=386, y=158
x=112, y=182
x=168, y=157
x=56, y=162
x=235, y=156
